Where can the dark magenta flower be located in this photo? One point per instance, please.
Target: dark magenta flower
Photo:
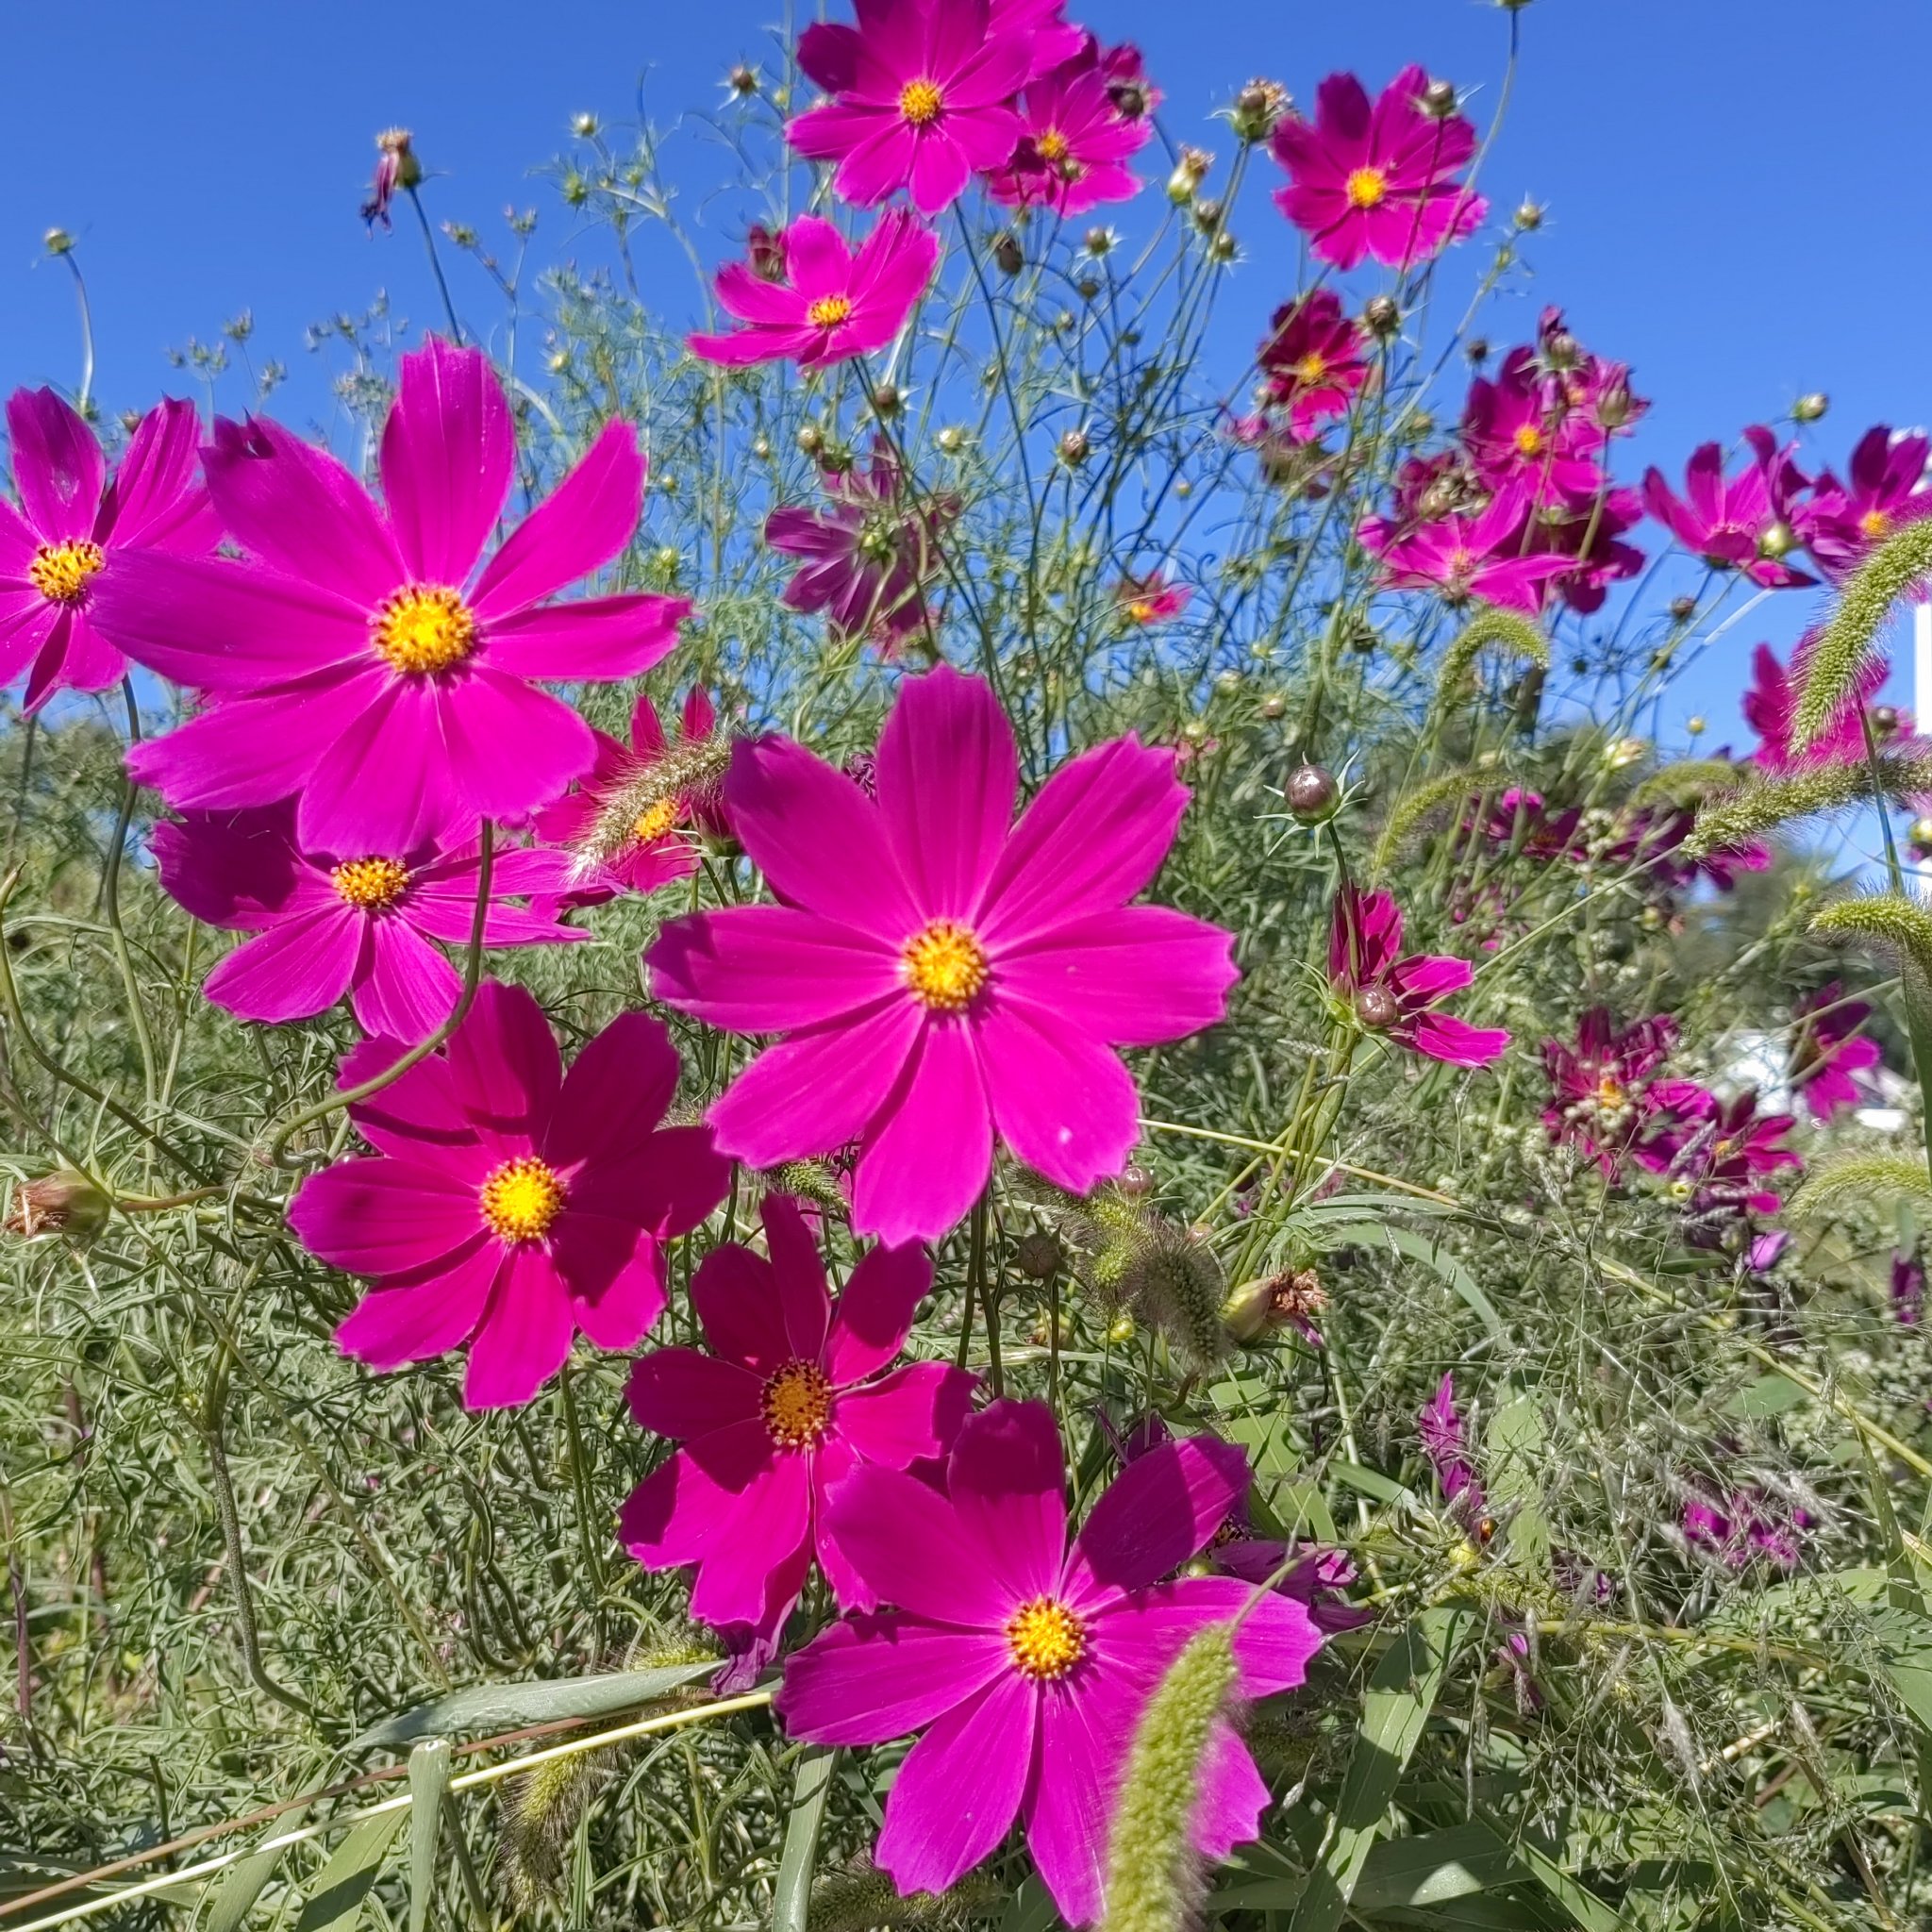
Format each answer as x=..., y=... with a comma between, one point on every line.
x=1886, y=490
x=1484, y=557
x=1439, y=1428
x=938, y=973
x=1744, y=1526
x=1651, y=840
x=1908, y=1287
x=1827, y=1051
x=827, y=303
x=1519, y=428
x=75, y=525
x=1375, y=180
x=1073, y=153
x=1150, y=599
x=1601, y=1097
x=1718, y=1152
x=1396, y=997
x=1743, y=522
x=1589, y=537
x=790, y=1399
x=1522, y=824
x=1027, y=1660
x=327, y=924
x=869, y=554
x=360, y=660
x=508, y=1203
x=1313, y=359
x=922, y=94
x=396, y=166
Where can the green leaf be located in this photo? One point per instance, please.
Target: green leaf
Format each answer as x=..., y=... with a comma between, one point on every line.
x=334, y=1899
x=1432, y=1867
x=798, y=1860
x=242, y=1884
x=429, y=1780
x=1767, y=1396
x=1031, y=1908
x=509, y=1707
x=1429, y=1252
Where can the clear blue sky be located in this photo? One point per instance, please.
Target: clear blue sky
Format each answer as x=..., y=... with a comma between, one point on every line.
x=1737, y=200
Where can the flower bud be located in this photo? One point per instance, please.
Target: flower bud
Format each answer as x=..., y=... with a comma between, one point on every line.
x=1478, y=350
x=1313, y=795
x=1273, y=707
x=1291, y=1298
x=1189, y=173
x=1615, y=405
x=950, y=439
x=1088, y=287
x=58, y=241
x=1224, y=247
x=1039, y=1256
x=886, y=400
x=583, y=125
x=1121, y=1329
x=1129, y=98
x=1381, y=316
x=1809, y=408
x=1562, y=350
x=1921, y=833
x=811, y=439
x=666, y=557
x=1377, y=1007
x=1438, y=99
x=1100, y=242
x=1135, y=1181
x=1884, y=721
x=1257, y=107
x=743, y=80
x=764, y=250
x=1073, y=448
x=1695, y=726
x=1683, y=608
x=1007, y=252
x=1779, y=540
x=62, y=1202
x=1206, y=215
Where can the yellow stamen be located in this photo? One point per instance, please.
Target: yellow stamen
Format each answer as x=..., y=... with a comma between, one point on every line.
x=374, y=884
x=945, y=966
x=1367, y=188
x=1140, y=610
x=424, y=629
x=1312, y=368
x=828, y=311
x=522, y=1198
x=59, y=572
x=1875, y=523
x=655, y=820
x=1051, y=146
x=796, y=1404
x=1528, y=440
x=1046, y=1638
x=1610, y=1092
x=920, y=102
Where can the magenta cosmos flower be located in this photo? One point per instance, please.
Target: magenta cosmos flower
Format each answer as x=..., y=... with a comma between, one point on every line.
x=1743, y=522
x=1313, y=359
x=74, y=526
x=329, y=924
x=1074, y=154
x=1394, y=996
x=814, y=301
x=921, y=94
x=1375, y=179
x=1439, y=1428
x=1519, y=427
x=1485, y=556
x=359, y=658
x=1771, y=702
x=1150, y=599
x=938, y=973
x=1027, y=1661
x=791, y=1400
x=1845, y=521
x=1601, y=1093
x=654, y=848
x=508, y=1205
x=1828, y=1051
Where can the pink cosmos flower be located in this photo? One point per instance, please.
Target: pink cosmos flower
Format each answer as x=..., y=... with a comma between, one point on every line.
x=1439, y=1428
x=790, y=1401
x=940, y=974
x=1827, y=1050
x=870, y=554
x=1845, y=521
x=1522, y=824
x=1073, y=153
x=1518, y=427
x=1375, y=179
x=1394, y=996
x=1313, y=359
x=1128, y=84
x=1586, y=383
x=828, y=302
x=508, y=1203
x=1055, y=41
x=1743, y=522
x=1587, y=536
x=1908, y=1287
x=921, y=97
x=1150, y=599
x=359, y=658
x=657, y=852
x=1743, y=1527
x=1027, y=1661
x=1600, y=1092
x=328, y=924
x=1484, y=557
x=1723, y=1150
x=1771, y=702
x=73, y=529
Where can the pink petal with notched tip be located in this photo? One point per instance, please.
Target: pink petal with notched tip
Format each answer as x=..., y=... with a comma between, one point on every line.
x=615, y=1093
x=390, y=1326
x=874, y=1311
x=58, y=466
x=297, y=968
x=771, y=969
x=448, y=450
x=406, y=988
x=928, y=1149
x=382, y=1216
x=595, y=638
x=1134, y=977
x=525, y=1335
x=1062, y=1101
x=874, y=1677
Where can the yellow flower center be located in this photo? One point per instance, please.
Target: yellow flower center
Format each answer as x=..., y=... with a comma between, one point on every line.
x=1367, y=188
x=1875, y=524
x=655, y=820
x=945, y=966
x=1046, y=1638
x=920, y=102
x=828, y=311
x=1140, y=610
x=1610, y=1092
x=1528, y=440
x=796, y=1404
x=374, y=884
x=1051, y=146
x=59, y=572
x=1312, y=368
x=424, y=629
x=522, y=1198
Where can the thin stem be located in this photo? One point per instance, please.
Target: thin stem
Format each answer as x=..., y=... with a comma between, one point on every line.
x=86, y=335
x=110, y=908
x=449, y=308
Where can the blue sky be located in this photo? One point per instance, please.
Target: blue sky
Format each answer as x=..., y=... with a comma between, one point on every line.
x=1735, y=205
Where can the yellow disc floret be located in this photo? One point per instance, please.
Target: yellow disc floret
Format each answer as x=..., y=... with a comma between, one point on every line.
x=1051, y=146
x=59, y=572
x=424, y=629
x=1312, y=368
x=1367, y=188
x=1046, y=1638
x=522, y=1198
x=374, y=884
x=828, y=311
x=1528, y=440
x=945, y=966
x=796, y=1404
x=920, y=102
x=1875, y=524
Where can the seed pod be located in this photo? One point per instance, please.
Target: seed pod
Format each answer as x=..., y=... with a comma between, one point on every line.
x=1313, y=795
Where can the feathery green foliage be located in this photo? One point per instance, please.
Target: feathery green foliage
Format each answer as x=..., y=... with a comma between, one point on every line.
x=1845, y=641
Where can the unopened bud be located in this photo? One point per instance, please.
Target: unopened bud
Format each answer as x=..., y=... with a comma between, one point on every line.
x=1779, y=540
x=1208, y=213
x=1257, y=107
x=1007, y=253
x=1381, y=316
x=583, y=125
x=1224, y=247
x=1920, y=832
x=1121, y=1329
x=1377, y=1007
x=811, y=439
x=1683, y=608
x=1438, y=99
x=58, y=241
x=1478, y=351
x=1809, y=408
x=666, y=557
x=1884, y=721
x=63, y=1202
x=1134, y=1180
x=1313, y=795
x=743, y=80
x=1100, y=242
x=1562, y=350
x=886, y=400
x=1695, y=726
x=1039, y=1256
x=1074, y=448
x=1529, y=216
x=950, y=439
x=1273, y=706
x=764, y=249
x=1189, y=173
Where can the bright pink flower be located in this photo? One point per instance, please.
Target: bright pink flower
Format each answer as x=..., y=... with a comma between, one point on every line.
x=789, y=1400
x=1602, y=1093
x=1485, y=556
x=1313, y=359
x=1375, y=180
x=1128, y=85
x=1771, y=702
x=658, y=850
x=828, y=302
x=359, y=658
x=73, y=529
x=1743, y=522
x=868, y=554
x=939, y=974
x=1589, y=537
x=1743, y=1527
x=1396, y=996
x=1150, y=599
x=1723, y=1149
x=1518, y=427
x=1845, y=521
x=1073, y=153
x=1653, y=839
x=1827, y=1050
x=508, y=1203
x=1028, y=1661
x=1439, y=1426
x=1055, y=41
x=922, y=92
x=329, y=924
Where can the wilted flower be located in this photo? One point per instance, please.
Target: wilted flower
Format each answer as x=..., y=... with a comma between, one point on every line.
x=1908, y=1287
x=64, y=1202
x=396, y=166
